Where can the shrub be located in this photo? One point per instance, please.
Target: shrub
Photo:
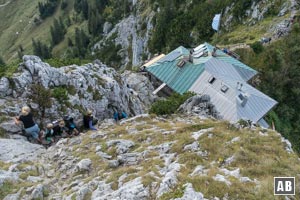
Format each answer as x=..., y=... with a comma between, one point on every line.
x=61, y=94
x=42, y=97
x=257, y=47
x=171, y=104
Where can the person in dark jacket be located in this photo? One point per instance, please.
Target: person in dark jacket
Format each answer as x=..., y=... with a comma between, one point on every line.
x=31, y=128
x=89, y=122
x=61, y=131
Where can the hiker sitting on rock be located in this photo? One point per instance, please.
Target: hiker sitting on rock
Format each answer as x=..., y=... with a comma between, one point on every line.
x=118, y=115
x=89, y=122
x=48, y=134
x=61, y=131
x=69, y=121
x=31, y=128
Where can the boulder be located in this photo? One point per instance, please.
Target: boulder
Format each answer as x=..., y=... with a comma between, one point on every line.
x=84, y=165
x=199, y=105
x=10, y=127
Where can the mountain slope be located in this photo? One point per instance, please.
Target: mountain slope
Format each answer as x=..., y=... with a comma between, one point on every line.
x=149, y=157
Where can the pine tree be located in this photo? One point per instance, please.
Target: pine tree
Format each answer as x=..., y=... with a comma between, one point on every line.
x=85, y=9
x=2, y=63
x=57, y=31
x=42, y=97
x=77, y=6
x=95, y=22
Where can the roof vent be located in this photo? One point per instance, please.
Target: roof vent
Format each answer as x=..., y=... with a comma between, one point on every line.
x=224, y=88
x=181, y=63
x=243, y=98
x=214, y=52
x=211, y=80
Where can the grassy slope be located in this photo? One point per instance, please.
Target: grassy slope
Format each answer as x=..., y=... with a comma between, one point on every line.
x=259, y=157
x=19, y=16
x=248, y=34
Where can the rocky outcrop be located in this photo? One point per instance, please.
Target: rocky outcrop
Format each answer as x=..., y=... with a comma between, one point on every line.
x=92, y=86
x=19, y=150
x=132, y=33
x=114, y=163
x=201, y=106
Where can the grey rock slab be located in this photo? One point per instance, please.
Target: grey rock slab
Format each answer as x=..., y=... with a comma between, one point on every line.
x=10, y=127
x=18, y=150
x=8, y=176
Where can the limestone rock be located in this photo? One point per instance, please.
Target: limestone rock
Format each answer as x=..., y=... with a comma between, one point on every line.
x=127, y=31
x=199, y=170
x=190, y=193
x=113, y=163
x=8, y=176
x=92, y=86
x=199, y=105
x=169, y=180
x=18, y=150
x=15, y=196
x=129, y=158
x=122, y=145
x=38, y=192
x=84, y=165
x=222, y=178
x=10, y=127
x=5, y=89
x=133, y=190
x=192, y=147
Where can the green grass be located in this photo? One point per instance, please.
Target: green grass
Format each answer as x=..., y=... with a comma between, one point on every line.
x=6, y=188
x=247, y=34
x=19, y=16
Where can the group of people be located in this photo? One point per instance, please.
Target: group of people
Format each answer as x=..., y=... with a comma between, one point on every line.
x=62, y=128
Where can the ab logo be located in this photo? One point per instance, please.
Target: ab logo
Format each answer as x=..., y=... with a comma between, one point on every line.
x=284, y=185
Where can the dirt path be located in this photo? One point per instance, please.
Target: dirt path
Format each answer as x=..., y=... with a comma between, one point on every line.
x=5, y=4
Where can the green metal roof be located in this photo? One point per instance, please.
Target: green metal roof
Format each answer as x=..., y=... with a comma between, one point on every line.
x=178, y=79
x=181, y=79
